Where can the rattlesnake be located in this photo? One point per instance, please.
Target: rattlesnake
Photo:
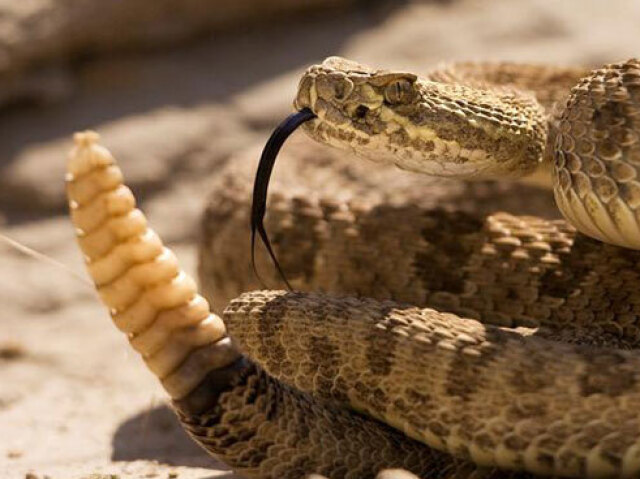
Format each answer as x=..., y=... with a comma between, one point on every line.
x=527, y=364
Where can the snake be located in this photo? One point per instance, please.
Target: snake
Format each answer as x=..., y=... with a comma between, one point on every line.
x=437, y=343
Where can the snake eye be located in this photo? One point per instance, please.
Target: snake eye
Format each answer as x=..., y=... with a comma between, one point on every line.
x=398, y=92
x=361, y=111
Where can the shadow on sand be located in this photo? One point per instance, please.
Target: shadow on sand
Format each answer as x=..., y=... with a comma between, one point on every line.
x=156, y=435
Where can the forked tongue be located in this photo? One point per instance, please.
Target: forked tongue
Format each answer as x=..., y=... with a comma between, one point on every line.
x=261, y=185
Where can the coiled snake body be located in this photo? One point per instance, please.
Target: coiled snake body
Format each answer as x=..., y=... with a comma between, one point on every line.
x=527, y=364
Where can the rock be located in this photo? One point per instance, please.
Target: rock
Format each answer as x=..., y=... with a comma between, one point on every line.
x=36, y=33
x=152, y=149
x=268, y=103
x=14, y=453
x=102, y=476
x=11, y=350
x=176, y=212
x=45, y=85
x=533, y=31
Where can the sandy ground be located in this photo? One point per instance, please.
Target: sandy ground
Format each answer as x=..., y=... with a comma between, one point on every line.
x=74, y=399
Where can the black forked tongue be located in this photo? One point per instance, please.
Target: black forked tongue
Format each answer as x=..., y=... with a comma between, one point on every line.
x=261, y=185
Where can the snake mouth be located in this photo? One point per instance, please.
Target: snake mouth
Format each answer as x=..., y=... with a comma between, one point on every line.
x=261, y=185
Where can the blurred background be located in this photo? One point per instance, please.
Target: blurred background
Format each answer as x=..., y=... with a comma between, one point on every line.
x=177, y=90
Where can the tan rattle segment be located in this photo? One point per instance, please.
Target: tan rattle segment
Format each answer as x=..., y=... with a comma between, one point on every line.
x=139, y=279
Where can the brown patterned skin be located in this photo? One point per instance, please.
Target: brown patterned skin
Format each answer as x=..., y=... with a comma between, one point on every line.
x=257, y=425
x=516, y=397
x=265, y=429
x=550, y=84
x=597, y=155
x=504, y=391
x=554, y=394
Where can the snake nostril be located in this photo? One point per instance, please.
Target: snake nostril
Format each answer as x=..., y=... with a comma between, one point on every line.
x=361, y=111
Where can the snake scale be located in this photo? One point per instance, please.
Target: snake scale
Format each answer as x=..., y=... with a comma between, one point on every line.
x=492, y=347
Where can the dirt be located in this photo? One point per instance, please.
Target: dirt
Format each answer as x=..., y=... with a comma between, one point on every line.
x=75, y=400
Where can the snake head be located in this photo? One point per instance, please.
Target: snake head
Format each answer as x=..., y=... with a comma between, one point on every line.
x=353, y=103
x=422, y=125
